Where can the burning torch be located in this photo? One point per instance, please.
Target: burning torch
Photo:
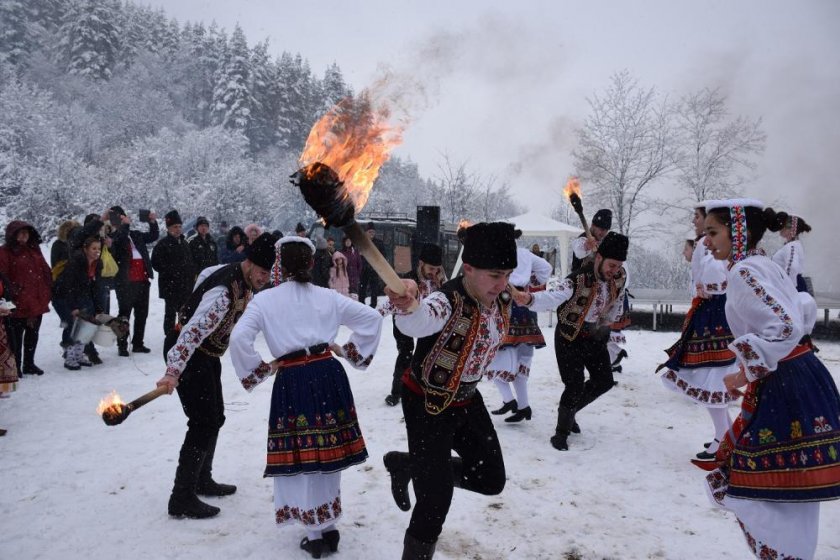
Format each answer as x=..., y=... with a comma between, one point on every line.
x=339, y=164
x=113, y=411
x=572, y=191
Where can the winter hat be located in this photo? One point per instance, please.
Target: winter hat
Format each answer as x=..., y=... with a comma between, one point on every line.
x=201, y=221
x=118, y=209
x=614, y=246
x=490, y=246
x=261, y=252
x=299, y=228
x=370, y=226
x=603, y=218
x=431, y=254
x=173, y=218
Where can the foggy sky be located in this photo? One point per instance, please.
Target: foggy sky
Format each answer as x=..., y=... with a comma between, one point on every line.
x=505, y=86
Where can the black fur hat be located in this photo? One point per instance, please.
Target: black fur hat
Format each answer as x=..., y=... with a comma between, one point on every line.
x=431, y=254
x=614, y=246
x=261, y=252
x=490, y=246
x=603, y=218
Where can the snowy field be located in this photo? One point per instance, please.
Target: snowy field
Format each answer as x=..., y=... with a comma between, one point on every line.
x=73, y=488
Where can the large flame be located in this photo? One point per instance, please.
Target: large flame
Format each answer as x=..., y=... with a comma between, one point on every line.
x=354, y=138
x=572, y=187
x=112, y=401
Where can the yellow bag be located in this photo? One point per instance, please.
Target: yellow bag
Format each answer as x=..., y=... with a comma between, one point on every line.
x=109, y=265
x=58, y=269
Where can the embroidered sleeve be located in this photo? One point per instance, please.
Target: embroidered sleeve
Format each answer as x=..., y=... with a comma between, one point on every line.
x=429, y=317
x=773, y=331
x=578, y=247
x=212, y=309
x=553, y=297
x=260, y=374
x=366, y=326
x=616, y=310
x=247, y=362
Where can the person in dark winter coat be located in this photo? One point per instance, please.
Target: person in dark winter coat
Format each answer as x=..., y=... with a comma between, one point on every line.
x=60, y=250
x=75, y=293
x=22, y=262
x=203, y=246
x=172, y=259
x=354, y=266
x=130, y=251
x=369, y=282
x=234, y=247
x=322, y=264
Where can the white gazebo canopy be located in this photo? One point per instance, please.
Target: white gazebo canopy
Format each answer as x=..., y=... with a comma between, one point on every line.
x=534, y=224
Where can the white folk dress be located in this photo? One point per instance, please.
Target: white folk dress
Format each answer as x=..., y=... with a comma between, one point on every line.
x=313, y=431
x=791, y=257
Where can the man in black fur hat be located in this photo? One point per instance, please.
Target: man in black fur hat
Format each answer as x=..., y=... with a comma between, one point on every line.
x=587, y=302
x=172, y=259
x=193, y=353
x=459, y=328
x=429, y=277
x=584, y=246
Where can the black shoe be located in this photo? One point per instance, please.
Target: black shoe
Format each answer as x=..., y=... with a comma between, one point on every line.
x=314, y=548
x=392, y=400
x=705, y=456
x=332, y=538
x=140, y=349
x=616, y=369
x=191, y=507
x=509, y=406
x=558, y=442
x=95, y=359
x=521, y=414
x=123, y=352
x=397, y=464
x=707, y=445
x=32, y=369
x=575, y=429
x=213, y=488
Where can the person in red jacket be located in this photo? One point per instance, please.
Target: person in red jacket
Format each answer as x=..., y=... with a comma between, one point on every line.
x=22, y=262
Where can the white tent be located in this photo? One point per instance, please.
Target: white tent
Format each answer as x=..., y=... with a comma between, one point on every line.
x=534, y=224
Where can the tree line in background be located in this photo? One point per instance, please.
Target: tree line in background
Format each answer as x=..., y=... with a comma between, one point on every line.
x=106, y=102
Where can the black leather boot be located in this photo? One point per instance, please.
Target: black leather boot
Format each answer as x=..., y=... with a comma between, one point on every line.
x=509, y=406
x=206, y=486
x=565, y=419
x=331, y=539
x=314, y=548
x=414, y=549
x=399, y=467
x=183, y=502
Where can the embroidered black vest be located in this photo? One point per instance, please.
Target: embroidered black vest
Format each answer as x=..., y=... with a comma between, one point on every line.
x=240, y=294
x=571, y=314
x=439, y=359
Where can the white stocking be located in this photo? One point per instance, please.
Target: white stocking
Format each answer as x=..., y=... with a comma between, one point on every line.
x=504, y=389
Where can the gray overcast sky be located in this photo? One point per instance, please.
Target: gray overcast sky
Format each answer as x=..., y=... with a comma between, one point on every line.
x=508, y=81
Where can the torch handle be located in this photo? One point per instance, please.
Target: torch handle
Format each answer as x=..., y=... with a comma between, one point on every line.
x=585, y=225
x=147, y=398
x=375, y=258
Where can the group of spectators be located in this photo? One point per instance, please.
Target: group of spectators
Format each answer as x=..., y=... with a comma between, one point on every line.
x=345, y=270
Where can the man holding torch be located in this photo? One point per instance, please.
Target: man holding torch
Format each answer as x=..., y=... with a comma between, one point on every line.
x=585, y=245
x=459, y=328
x=193, y=365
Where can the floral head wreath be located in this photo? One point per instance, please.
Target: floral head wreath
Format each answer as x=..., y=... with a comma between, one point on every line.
x=276, y=274
x=738, y=222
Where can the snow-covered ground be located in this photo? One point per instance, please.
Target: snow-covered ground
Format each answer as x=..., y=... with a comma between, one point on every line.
x=75, y=488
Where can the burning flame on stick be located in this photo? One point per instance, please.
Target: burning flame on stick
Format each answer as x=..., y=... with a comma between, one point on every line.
x=354, y=138
x=112, y=403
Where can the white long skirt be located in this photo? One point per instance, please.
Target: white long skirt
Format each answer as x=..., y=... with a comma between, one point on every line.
x=313, y=500
x=788, y=529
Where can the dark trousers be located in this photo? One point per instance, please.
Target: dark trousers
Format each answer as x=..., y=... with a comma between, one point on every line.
x=572, y=357
x=468, y=431
x=200, y=391
x=405, y=351
x=170, y=313
x=23, y=339
x=369, y=286
x=134, y=296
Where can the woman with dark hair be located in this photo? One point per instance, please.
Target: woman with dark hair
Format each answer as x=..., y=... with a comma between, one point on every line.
x=313, y=431
x=780, y=459
x=76, y=292
x=30, y=282
x=700, y=359
x=354, y=266
x=791, y=257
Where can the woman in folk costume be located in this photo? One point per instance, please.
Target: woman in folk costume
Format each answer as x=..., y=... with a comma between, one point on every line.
x=8, y=364
x=791, y=257
x=313, y=431
x=700, y=359
x=512, y=364
x=781, y=457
